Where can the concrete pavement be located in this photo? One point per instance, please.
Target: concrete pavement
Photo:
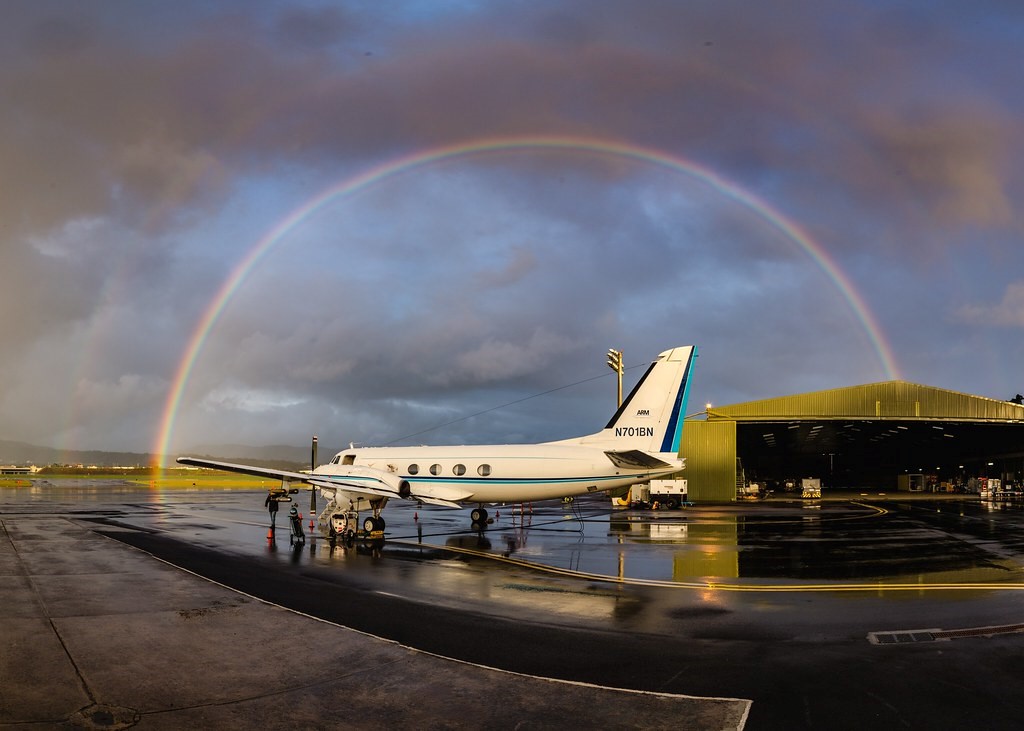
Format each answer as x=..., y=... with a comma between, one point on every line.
x=95, y=634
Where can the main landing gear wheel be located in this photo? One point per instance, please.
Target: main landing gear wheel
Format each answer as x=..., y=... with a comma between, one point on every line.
x=478, y=515
x=371, y=524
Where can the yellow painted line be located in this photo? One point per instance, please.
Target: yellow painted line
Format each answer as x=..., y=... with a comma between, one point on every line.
x=720, y=585
x=878, y=512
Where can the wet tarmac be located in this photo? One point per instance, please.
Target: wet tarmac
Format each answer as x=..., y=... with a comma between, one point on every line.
x=860, y=611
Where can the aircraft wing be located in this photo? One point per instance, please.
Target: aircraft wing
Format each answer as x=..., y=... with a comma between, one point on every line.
x=369, y=481
x=636, y=459
x=246, y=469
x=333, y=484
x=362, y=480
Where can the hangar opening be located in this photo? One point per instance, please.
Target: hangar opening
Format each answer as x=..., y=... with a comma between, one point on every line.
x=885, y=436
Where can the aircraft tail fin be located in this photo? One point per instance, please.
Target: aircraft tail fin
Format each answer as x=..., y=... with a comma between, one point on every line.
x=651, y=417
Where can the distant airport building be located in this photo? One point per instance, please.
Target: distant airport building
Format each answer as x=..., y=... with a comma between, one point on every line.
x=881, y=436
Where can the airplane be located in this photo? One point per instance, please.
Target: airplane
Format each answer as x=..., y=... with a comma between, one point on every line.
x=639, y=443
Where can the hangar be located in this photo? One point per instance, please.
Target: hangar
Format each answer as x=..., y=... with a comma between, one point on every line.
x=887, y=436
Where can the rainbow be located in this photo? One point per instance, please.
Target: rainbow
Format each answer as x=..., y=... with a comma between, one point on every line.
x=416, y=160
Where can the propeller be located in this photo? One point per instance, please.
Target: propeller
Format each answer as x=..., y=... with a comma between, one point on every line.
x=312, y=492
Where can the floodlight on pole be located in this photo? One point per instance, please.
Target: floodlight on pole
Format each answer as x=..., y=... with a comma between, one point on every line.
x=615, y=363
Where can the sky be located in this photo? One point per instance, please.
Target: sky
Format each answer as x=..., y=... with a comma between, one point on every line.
x=427, y=221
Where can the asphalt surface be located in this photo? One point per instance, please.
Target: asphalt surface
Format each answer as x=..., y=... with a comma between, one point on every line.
x=99, y=635
x=867, y=611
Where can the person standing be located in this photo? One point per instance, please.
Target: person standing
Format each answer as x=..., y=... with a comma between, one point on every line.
x=271, y=505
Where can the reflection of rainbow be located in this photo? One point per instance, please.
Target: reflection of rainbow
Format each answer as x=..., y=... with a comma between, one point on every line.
x=564, y=144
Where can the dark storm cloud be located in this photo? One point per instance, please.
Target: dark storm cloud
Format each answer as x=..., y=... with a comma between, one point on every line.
x=169, y=126
x=146, y=145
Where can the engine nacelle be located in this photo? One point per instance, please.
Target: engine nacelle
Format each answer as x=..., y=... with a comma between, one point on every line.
x=387, y=479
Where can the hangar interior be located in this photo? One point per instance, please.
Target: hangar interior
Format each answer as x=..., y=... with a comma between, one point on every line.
x=856, y=437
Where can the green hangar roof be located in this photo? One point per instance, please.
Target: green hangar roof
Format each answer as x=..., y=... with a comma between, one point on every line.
x=854, y=437
x=897, y=400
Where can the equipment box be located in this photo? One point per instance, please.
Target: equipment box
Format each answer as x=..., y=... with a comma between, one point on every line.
x=664, y=493
x=810, y=487
x=670, y=493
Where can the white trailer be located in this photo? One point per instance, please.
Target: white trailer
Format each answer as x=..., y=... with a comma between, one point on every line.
x=666, y=493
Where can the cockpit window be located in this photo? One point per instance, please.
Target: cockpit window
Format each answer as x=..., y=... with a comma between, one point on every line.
x=349, y=459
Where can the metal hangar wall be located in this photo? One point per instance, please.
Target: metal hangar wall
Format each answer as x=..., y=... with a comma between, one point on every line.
x=710, y=451
x=855, y=437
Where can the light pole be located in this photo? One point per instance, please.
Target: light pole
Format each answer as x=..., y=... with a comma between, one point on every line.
x=615, y=363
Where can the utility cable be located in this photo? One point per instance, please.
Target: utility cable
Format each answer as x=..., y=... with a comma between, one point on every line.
x=502, y=406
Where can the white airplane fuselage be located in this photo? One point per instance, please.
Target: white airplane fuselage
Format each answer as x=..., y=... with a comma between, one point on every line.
x=507, y=473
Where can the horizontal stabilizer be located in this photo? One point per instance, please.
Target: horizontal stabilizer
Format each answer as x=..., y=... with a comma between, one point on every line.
x=635, y=459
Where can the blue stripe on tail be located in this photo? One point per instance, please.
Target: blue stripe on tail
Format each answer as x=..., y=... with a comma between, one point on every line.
x=674, y=433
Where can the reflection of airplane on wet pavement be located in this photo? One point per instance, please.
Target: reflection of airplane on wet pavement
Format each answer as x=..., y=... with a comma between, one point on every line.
x=640, y=442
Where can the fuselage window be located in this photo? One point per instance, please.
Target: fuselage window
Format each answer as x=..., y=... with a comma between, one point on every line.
x=483, y=470
x=414, y=469
x=435, y=469
x=459, y=469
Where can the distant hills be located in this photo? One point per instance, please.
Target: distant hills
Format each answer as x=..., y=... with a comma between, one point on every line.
x=279, y=455
x=21, y=453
